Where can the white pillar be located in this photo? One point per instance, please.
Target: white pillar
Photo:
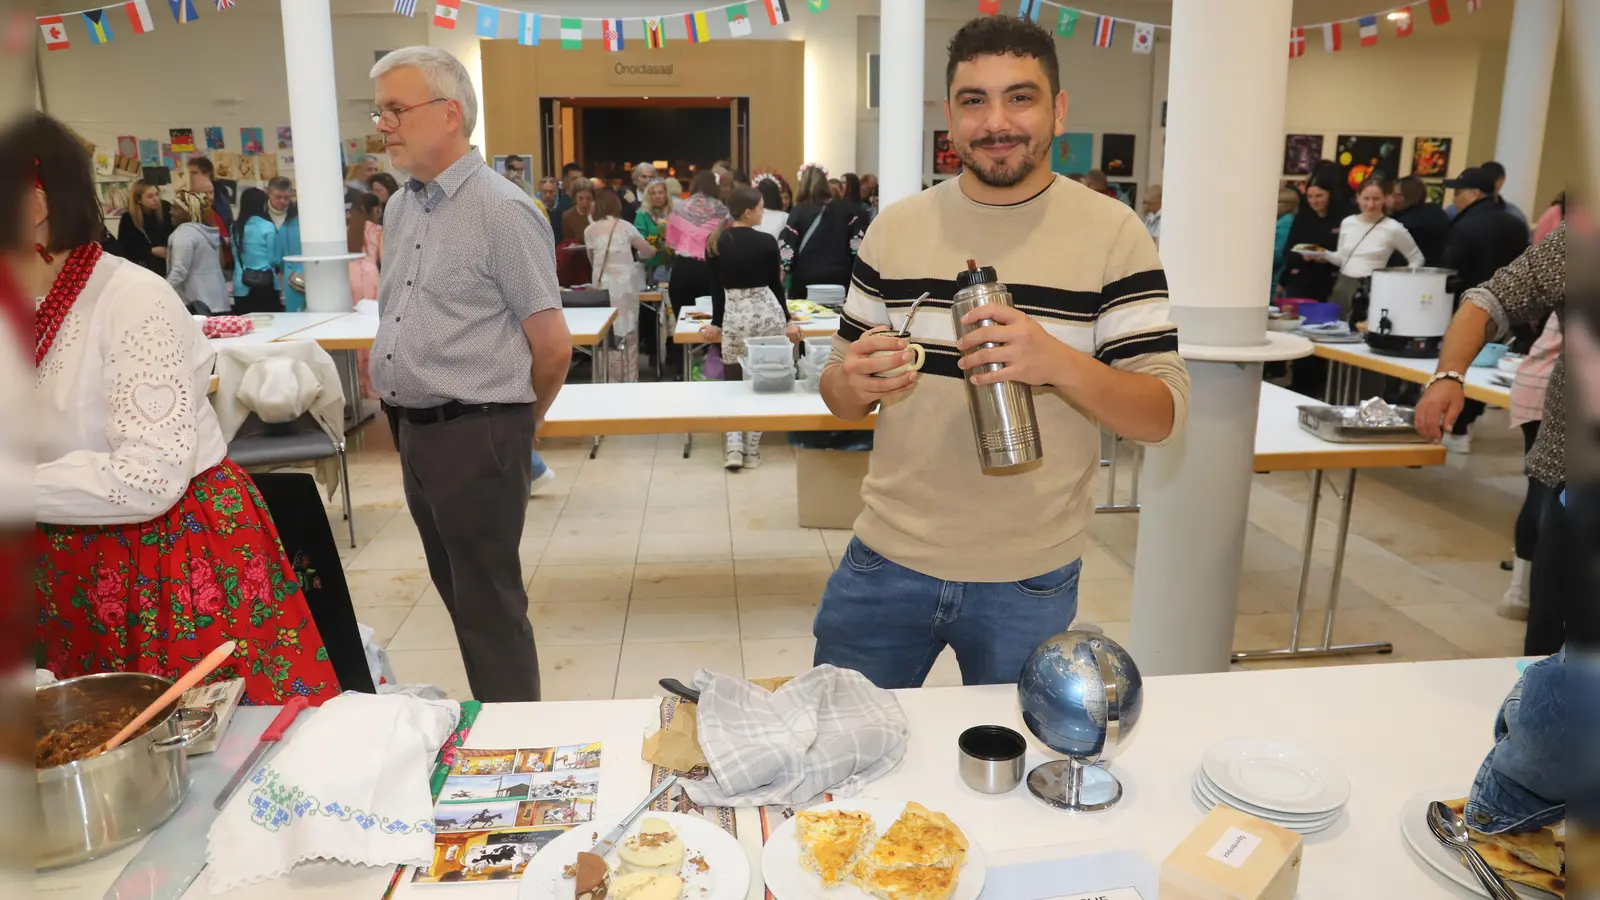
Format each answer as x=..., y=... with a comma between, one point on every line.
x=1525, y=100
x=830, y=88
x=314, y=116
x=1227, y=88
x=903, y=24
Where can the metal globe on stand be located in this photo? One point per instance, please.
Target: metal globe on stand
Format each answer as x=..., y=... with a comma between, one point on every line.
x=1081, y=695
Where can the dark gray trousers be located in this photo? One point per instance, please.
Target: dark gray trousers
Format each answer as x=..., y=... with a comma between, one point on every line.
x=466, y=483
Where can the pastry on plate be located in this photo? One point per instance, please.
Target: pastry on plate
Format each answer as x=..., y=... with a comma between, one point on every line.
x=832, y=840
x=593, y=877
x=918, y=858
x=655, y=847
x=646, y=886
x=1534, y=858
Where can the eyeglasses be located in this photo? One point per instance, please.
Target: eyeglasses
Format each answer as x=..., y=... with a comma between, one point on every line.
x=391, y=117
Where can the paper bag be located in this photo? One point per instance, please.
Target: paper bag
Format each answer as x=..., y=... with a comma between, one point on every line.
x=677, y=746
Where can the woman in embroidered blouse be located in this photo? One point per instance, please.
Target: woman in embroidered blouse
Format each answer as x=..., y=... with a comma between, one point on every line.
x=156, y=547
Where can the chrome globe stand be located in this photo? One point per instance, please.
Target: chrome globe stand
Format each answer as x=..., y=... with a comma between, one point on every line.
x=1078, y=783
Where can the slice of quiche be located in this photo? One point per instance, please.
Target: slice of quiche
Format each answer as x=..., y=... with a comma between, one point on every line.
x=920, y=837
x=832, y=840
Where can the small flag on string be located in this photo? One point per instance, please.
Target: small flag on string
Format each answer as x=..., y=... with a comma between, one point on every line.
x=1144, y=37
x=1440, y=10
x=445, y=13
x=655, y=33
x=695, y=25
x=405, y=7
x=571, y=34
x=1333, y=37
x=1066, y=22
x=95, y=24
x=1472, y=6
x=528, y=29
x=183, y=11
x=1403, y=22
x=488, y=22
x=738, y=20
x=611, y=33
x=1297, y=43
x=1369, y=30
x=988, y=7
x=225, y=4
x=818, y=5
x=139, y=17
x=55, y=33
x=1105, y=31
x=1029, y=9
x=777, y=12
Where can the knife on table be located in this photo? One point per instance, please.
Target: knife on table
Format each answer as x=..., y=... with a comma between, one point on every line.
x=272, y=735
x=609, y=841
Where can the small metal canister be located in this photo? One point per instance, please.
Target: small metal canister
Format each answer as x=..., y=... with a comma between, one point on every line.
x=1003, y=420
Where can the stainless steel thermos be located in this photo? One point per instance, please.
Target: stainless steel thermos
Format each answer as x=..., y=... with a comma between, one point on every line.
x=1003, y=421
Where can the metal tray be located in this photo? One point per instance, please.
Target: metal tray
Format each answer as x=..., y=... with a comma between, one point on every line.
x=1328, y=423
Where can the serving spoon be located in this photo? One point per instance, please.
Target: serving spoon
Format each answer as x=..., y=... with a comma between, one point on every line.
x=1452, y=832
x=189, y=680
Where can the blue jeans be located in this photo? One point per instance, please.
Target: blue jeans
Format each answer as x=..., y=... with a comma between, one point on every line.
x=890, y=623
x=539, y=468
x=1522, y=784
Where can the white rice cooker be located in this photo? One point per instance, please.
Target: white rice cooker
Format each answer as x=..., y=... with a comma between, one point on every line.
x=1409, y=311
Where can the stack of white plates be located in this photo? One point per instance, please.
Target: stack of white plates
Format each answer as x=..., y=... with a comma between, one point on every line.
x=826, y=294
x=1283, y=784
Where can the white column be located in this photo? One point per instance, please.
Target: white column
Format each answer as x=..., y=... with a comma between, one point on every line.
x=1227, y=87
x=1525, y=100
x=902, y=26
x=314, y=116
x=830, y=87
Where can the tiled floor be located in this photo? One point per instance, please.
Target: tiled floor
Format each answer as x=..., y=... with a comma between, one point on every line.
x=642, y=565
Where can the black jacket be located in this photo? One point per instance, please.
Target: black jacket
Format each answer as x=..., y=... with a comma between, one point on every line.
x=1483, y=238
x=830, y=254
x=137, y=245
x=1305, y=278
x=1430, y=228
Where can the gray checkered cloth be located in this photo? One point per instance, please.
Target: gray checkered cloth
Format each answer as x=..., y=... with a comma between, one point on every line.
x=829, y=729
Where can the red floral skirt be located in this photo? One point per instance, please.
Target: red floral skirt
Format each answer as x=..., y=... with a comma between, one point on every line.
x=158, y=596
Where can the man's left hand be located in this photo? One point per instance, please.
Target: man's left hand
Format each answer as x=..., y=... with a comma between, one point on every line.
x=1029, y=353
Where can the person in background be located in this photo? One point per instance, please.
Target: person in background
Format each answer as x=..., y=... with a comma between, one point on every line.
x=746, y=301
x=633, y=198
x=1288, y=201
x=471, y=351
x=194, y=268
x=773, y=218
x=142, y=232
x=1152, y=213
x=364, y=235
x=1316, y=224
x=784, y=193
x=255, y=242
x=517, y=173
x=1496, y=180
x=1096, y=181
x=1366, y=241
x=384, y=185
x=651, y=222
x=562, y=204
x=1429, y=226
x=869, y=192
x=280, y=194
x=578, y=217
x=200, y=165
x=675, y=191
x=359, y=176
x=688, y=229
x=1551, y=218
x=819, y=242
x=570, y=171
x=835, y=188
x=1528, y=390
x=612, y=242
x=154, y=547
x=294, y=272
x=549, y=198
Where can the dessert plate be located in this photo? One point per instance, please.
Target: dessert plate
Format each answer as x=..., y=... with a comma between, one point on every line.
x=726, y=874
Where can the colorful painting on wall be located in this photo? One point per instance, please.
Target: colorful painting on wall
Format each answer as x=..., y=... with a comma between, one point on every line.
x=1361, y=157
x=945, y=160
x=170, y=157
x=214, y=137
x=182, y=140
x=1301, y=153
x=1072, y=153
x=149, y=153
x=250, y=141
x=1116, y=155
x=285, y=138
x=127, y=154
x=1430, y=157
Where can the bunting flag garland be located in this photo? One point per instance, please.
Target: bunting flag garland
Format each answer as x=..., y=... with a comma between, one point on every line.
x=738, y=20
x=1472, y=6
x=655, y=33
x=445, y=13
x=611, y=33
x=1369, y=30
x=183, y=11
x=55, y=33
x=1440, y=9
x=777, y=12
x=1066, y=22
x=95, y=24
x=1029, y=9
x=695, y=25
x=1105, y=30
x=1333, y=37
x=488, y=22
x=407, y=8
x=225, y=4
x=1403, y=22
x=1297, y=43
x=571, y=34
x=139, y=17
x=528, y=29
x=818, y=5
x=988, y=7
x=1144, y=37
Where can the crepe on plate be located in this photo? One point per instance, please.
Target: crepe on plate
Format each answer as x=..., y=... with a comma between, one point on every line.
x=1533, y=858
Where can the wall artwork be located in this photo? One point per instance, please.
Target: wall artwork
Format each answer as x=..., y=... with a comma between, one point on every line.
x=227, y=189
x=1072, y=153
x=247, y=168
x=515, y=167
x=1361, y=157
x=113, y=197
x=214, y=137
x=149, y=153
x=1301, y=153
x=180, y=178
x=1435, y=192
x=169, y=157
x=127, y=161
x=227, y=164
x=1127, y=192
x=103, y=164
x=945, y=160
x=267, y=166
x=352, y=151
x=250, y=141
x=1116, y=155
x=1430, y=157
x=156, y=175
x=182, y=140
x=375, y=144
x=285, y=138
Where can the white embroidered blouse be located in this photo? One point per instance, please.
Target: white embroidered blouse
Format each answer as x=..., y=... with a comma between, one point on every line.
x=122, y=395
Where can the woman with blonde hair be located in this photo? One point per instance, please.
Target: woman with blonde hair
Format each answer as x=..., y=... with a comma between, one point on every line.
x=655, y=206
x=194, y=260
x=142, y=234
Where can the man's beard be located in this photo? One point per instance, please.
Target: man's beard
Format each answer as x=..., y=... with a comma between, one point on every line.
x=1002, y=176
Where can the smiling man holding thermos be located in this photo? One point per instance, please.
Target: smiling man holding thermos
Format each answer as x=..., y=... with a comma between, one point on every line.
x=1047, y=318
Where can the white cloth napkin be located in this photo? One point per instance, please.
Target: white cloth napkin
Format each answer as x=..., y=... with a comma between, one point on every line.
x=829, y=729
x=350, y=784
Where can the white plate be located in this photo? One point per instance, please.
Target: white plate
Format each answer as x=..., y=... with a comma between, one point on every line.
x=1311, y=827
x=788, y=880
x=728, y=877
x=1414, y=827
x=1276, y=776
x=1203, y=785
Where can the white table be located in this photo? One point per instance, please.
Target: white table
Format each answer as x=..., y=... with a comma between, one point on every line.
x=1479, y=385
x=1395, y=730
x=357, y=331
x=281, y=326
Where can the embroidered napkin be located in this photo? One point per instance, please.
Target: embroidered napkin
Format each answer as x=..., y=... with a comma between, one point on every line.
x=350, y=784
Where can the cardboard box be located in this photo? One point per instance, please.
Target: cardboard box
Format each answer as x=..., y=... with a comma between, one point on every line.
x=1233, y=856
x=828, y=486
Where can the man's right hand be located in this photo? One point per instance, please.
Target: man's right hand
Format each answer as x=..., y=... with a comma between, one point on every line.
x=1440, y=405
x=860, y=367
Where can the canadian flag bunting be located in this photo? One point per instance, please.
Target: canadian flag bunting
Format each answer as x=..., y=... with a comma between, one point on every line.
x=55, y=33
x=1297, y=43
x=1403, y=22
x=446, y=13
x=1333, y=37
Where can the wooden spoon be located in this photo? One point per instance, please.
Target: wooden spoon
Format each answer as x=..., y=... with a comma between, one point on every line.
x=189, y=680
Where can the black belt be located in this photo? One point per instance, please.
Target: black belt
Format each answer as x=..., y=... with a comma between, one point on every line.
x=455, y=409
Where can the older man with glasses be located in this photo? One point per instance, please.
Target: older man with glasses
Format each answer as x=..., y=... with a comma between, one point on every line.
x=469, y=306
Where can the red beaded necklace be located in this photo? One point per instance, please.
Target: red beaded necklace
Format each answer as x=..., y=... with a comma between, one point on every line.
x=64, y=292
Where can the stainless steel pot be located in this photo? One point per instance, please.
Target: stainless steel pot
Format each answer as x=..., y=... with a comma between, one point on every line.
x=90, y=807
